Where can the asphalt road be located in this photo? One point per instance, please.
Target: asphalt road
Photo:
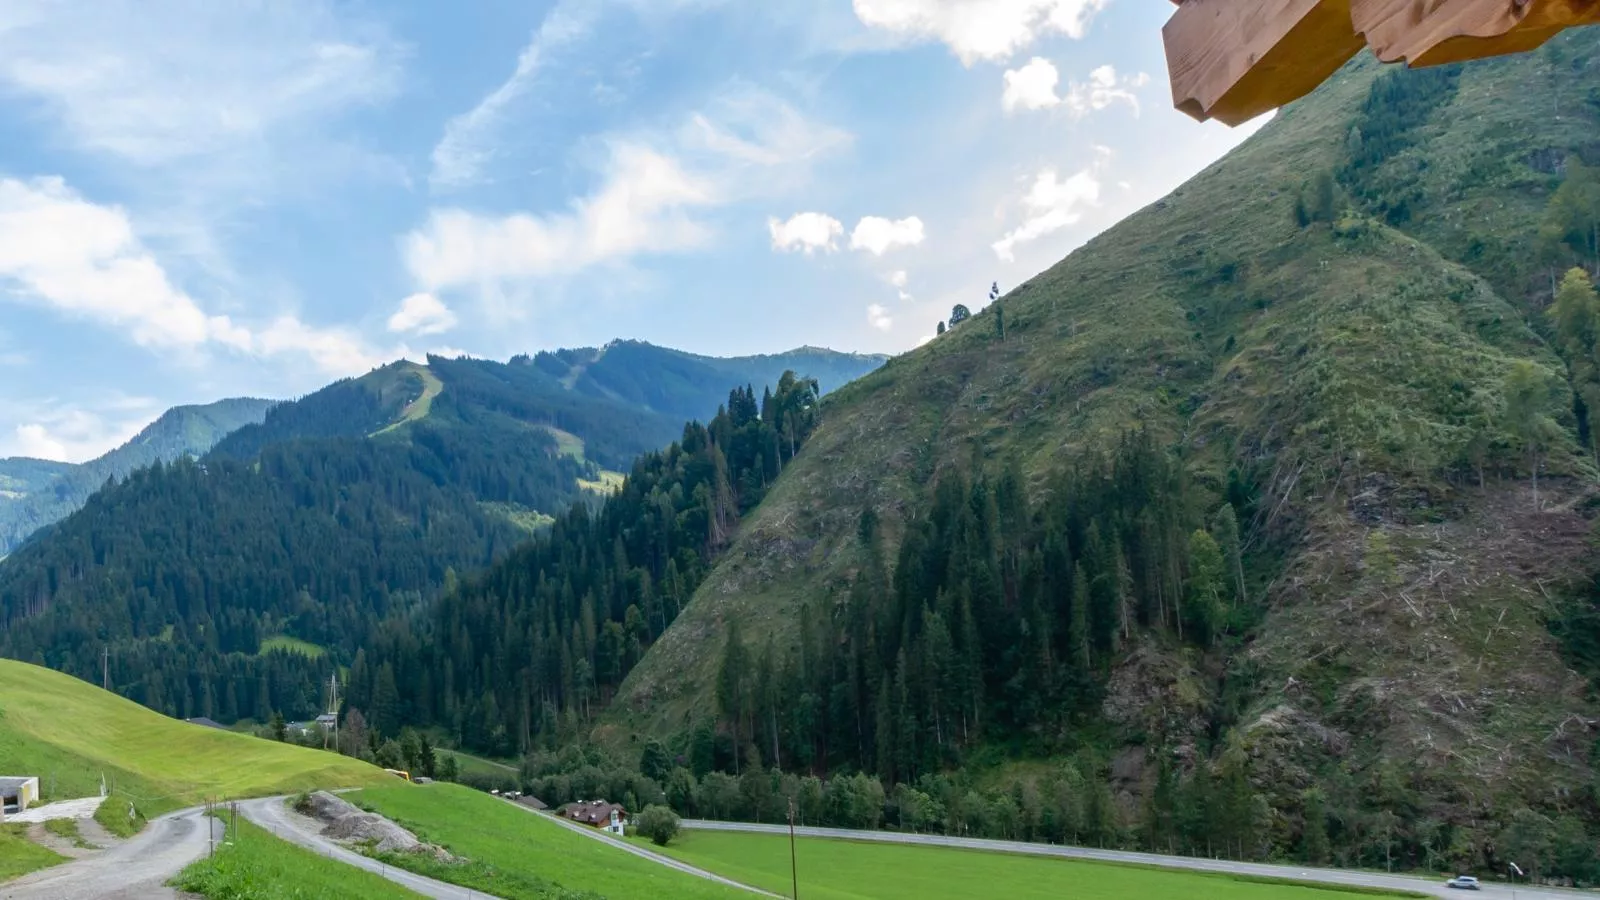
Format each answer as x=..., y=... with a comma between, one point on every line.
x=136, y=869
x=657, y=858
x=1326, y=876
x=271, y=814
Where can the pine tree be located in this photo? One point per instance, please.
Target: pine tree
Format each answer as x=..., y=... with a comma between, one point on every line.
x=1207, y=580
x=1225, y=530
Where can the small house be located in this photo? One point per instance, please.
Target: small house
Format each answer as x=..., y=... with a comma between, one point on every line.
x=597, y=814
x=327, y=721
x=17, y=793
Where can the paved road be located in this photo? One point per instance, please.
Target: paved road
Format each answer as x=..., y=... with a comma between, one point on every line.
x=1434, y=887
x=136, y=869
x=271, y=814
x=667, y=861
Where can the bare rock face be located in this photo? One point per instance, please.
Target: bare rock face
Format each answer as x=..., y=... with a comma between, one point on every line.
x=347, y=822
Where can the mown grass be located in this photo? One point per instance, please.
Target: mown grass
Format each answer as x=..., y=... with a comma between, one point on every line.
x=254, y=865
x=292, y=645
x=520, y=855
x=19, y=856
x=71, y=734
x=850, y=870
x=467, y=764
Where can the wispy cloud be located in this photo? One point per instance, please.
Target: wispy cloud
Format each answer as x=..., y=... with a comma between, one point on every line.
x=157, y=82
x=974, y=30
x=653, y=194
x=1050, y=205
x=83, y=260
x=67, y=432
x=469, y=139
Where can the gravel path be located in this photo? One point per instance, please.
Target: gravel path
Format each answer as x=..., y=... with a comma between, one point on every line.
x=65, y=809
x=136, y=869
x=1346, y=877
x=271, y=813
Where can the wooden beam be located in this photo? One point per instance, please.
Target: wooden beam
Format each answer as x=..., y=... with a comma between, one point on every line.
x=1433, y=32
x=1233, y=60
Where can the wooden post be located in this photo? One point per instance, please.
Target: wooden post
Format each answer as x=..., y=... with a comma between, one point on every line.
x=794, y=871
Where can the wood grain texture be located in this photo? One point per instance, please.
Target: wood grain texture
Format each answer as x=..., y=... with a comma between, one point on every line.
x=1432, y=32
x=1233, y=60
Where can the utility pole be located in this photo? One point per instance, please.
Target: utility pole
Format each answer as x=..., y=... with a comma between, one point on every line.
x=105, y=668
x=794, y=871
x=333, y=710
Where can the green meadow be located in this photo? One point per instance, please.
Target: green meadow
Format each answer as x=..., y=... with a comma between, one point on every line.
x=852, y=870
x=521, y=855
x=71, y=734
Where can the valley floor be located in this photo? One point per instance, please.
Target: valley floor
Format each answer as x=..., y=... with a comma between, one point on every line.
x=841, y=864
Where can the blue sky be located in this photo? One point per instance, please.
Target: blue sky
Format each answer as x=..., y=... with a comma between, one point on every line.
x=209, y=199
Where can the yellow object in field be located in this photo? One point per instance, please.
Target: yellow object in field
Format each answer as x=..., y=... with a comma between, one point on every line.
x=399, y=774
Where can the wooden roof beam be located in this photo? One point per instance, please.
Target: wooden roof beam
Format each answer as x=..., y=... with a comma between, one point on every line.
x=1233, y=60
x=1433, y=32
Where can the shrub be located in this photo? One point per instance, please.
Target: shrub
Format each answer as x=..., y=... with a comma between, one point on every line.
x=658, y=823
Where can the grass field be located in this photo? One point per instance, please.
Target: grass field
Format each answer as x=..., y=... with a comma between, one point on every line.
x=519, y=855
x=19, y=856
x=848, y=870
x=254, y=865
x=71, y=734
x=292, y=645
x=477, y=765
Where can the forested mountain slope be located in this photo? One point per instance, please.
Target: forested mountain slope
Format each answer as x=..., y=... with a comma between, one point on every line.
x=1232, y=516
x=687, y=386
x=338, y=511
x=35, y=493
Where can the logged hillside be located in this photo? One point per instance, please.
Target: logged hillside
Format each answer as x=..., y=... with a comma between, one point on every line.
x=34, y=493
x=208, y=580
x=1236, y=508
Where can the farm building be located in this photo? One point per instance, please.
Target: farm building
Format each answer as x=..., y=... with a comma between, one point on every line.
x=17, y=793
x=596, y=813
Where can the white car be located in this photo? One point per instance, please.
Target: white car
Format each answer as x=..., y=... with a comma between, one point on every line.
x=1464, y=882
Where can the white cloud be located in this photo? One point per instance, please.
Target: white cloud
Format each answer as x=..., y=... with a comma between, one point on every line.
x=68, y=433
x=878, y=235
x=467, y=144
x=1104, y=88
x=745, y=125
x=423, y=314
x=642, y=207
x=1051, y=204
x=807, y=232
x=1031, y=87
x=157, y=82
x=976, y=30
x=878, y=318
x=899, y=280
x=83, y=260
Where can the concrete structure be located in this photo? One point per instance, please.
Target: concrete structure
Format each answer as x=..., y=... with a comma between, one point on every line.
x=17, y=793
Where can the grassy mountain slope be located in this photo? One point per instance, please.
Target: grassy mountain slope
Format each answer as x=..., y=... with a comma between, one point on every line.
x=1353, y=373
x=35, y=493
x=71, y=734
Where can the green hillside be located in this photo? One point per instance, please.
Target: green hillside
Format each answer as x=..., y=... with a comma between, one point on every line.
x=333, y=521
x=1010, y=546
x=34, y=493
x=71, y=734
